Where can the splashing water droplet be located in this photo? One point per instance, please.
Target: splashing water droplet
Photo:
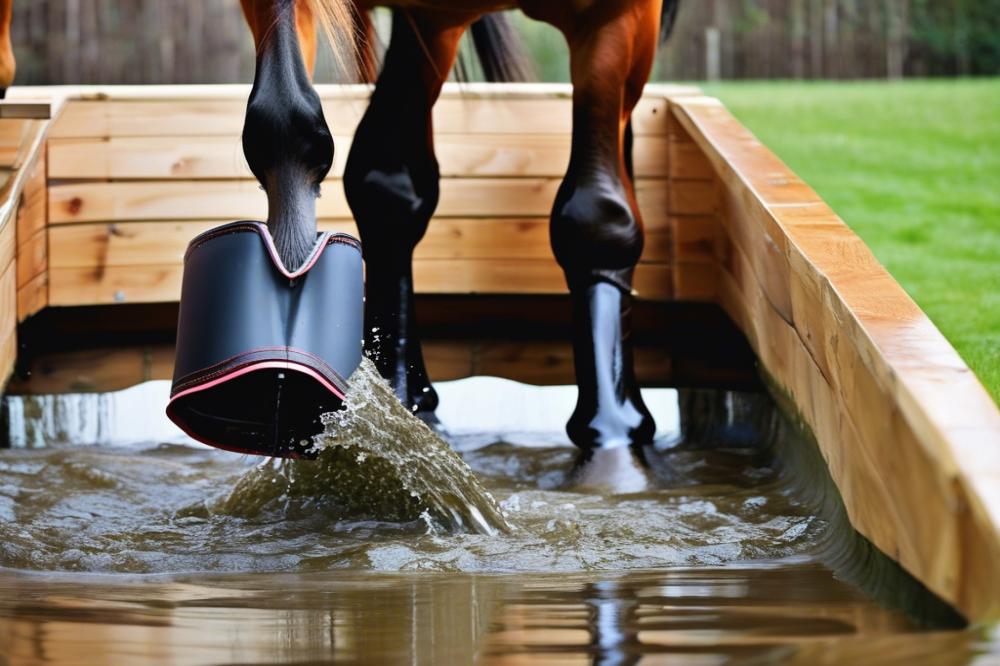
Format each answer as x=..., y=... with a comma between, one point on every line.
x=375, y=459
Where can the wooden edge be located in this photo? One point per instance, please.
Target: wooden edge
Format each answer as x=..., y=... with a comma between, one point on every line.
x=239, y=91
x=40, y=109
x=919, y=378
x=30, y=157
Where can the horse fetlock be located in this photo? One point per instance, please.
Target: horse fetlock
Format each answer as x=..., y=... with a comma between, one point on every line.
x=595, y=232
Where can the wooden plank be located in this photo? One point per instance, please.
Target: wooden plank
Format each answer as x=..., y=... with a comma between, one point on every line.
x=22, y=109
x=32, y=210
x=8, y=321
x=153, y=284
x=919, y=475
x=687, y=161
x=8, y=245
x=97, y=370
x=693, y=197
x=453, y=114
x=12, y=137
x=33, y=296
x=694, y=238
x=234, y=200
x=8, y=357
x=32, y=258
x=163, y=243
x=540, y=363
x=221, y=157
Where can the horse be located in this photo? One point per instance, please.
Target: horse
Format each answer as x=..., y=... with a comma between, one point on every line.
x=391, y=177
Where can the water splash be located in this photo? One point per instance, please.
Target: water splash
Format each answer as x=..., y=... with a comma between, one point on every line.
x=378, y=460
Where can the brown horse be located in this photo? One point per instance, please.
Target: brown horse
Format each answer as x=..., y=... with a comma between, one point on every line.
x=391, y=177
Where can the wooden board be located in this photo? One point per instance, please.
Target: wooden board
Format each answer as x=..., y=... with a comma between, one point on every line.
x=919, y=475
x=161, y=283
x=154, y=243
x=453, y=114
x=234, y=200
x=22, y=109
x=541, y=363
x=221, y=157
x=8, y=321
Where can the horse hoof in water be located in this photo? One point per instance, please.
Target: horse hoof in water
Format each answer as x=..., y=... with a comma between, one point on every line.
x=619, y=470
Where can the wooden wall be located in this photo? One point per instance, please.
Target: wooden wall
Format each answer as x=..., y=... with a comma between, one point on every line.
x=911, y=437
x=23, y=230
x=134, y=177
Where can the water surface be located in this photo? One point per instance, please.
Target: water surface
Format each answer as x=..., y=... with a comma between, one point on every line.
x=720, y=544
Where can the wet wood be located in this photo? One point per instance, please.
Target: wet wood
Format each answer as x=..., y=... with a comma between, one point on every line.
x=868, y=371
x=112, y=369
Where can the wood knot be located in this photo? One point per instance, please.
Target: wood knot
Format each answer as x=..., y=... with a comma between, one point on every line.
x=75, y=205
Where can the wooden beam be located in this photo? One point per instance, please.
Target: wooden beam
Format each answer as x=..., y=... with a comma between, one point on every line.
x=101, y=245
x=221, y=157
x=919, y=474
x=161, y=283
x=8, y=321
x=235, y=200
x=22, y=109
x=453, y=114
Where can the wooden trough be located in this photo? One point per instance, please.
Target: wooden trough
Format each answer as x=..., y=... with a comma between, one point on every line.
x=102, y=198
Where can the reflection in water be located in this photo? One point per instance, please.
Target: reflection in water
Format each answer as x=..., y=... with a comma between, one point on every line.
x=766, y=614
x=724, y=546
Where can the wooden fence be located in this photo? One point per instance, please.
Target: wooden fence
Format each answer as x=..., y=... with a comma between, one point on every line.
x=206, y=41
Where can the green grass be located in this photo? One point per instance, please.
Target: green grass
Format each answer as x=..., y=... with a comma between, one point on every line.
x=914, y=169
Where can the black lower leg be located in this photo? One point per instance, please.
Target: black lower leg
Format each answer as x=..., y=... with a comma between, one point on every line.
x=392, y=185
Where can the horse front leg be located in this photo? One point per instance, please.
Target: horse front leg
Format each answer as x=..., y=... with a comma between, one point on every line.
x=392, y=185
x=596, y=227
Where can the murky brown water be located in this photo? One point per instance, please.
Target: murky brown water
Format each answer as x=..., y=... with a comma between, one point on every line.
x=725, y=545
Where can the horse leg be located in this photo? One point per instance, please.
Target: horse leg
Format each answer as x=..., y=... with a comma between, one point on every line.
x=596, y=228
x=391, y=181
x=7, y=64
x=286, y=140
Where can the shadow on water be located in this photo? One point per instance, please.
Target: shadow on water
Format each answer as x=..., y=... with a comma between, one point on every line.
x=726, y=542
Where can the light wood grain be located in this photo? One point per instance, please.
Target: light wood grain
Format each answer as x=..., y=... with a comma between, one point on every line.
x=918, y=473
x=234, y=200
x=453, y=114
x=8, y=321
x=32, y=258
x=161, y=283
x=33, y=296
x=156, y=243
x=221, y=157
x=8, y=245
x=23, y=109
x=32, y=208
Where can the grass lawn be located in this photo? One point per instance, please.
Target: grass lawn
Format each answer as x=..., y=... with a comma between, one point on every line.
x=914, y=169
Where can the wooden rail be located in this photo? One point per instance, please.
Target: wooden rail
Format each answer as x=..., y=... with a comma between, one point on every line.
x=911, y=437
